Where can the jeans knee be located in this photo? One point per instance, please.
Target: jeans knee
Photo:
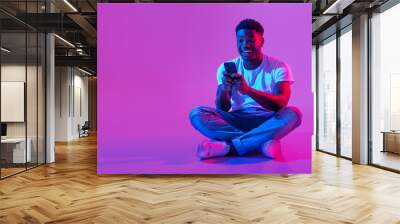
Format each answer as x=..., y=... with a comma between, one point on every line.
x=195, y=111
x=297, y=112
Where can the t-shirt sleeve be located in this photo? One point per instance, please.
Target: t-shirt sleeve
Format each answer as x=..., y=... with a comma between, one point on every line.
x=283, y=73
x=220, y=74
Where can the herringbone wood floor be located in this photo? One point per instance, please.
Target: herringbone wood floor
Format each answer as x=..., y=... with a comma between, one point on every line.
x=70, y=191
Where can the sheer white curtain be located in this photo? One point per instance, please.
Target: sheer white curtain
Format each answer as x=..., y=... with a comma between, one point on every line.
x=327, y=96
x=346, y=93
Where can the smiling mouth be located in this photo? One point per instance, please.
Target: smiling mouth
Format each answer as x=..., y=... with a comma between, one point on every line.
x=247, y=53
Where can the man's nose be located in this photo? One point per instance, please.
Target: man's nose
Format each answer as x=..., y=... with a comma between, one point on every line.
x=247, y=44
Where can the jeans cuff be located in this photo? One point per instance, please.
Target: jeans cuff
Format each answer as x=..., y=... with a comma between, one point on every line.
x=239, y=147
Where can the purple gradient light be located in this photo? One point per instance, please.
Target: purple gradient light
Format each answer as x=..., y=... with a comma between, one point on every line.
x=158, y=61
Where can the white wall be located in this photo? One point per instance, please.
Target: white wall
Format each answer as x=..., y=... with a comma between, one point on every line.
x=79, y=117
x=71, y=92
x=16, y=72
x=12, y=101
x=10, y=73
x=62, y=80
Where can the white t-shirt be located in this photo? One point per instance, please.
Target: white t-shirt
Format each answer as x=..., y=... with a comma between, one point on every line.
x=263, y=78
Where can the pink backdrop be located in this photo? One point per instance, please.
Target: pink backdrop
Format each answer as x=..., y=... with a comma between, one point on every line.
x=158, y=61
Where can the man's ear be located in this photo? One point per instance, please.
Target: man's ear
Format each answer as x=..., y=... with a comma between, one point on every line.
x=262, y=41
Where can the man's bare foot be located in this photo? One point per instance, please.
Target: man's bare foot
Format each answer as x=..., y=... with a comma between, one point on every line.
x=272, y=149
x=210, y=149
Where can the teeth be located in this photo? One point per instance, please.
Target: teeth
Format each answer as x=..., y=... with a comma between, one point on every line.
x=248, y=51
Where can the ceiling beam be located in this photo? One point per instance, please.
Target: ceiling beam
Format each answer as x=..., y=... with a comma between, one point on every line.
x=84, y=61
x=86, y=26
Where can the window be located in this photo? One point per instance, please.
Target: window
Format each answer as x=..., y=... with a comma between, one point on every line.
x=346, y=74
x=385, y=88
x=327, y=95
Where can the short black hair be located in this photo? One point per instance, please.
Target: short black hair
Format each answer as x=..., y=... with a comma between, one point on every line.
x=250, y=24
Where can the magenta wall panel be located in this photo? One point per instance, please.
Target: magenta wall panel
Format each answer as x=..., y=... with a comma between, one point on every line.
x=156, y=62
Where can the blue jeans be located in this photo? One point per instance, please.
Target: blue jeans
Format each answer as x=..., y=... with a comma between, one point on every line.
x=247, y=129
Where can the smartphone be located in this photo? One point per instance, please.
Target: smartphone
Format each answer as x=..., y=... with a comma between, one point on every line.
x=230, y=67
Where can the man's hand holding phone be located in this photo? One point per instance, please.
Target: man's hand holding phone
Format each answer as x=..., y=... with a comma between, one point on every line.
x=233, y=80
x=227, y=81
x=229, y=75
x=240, y=84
